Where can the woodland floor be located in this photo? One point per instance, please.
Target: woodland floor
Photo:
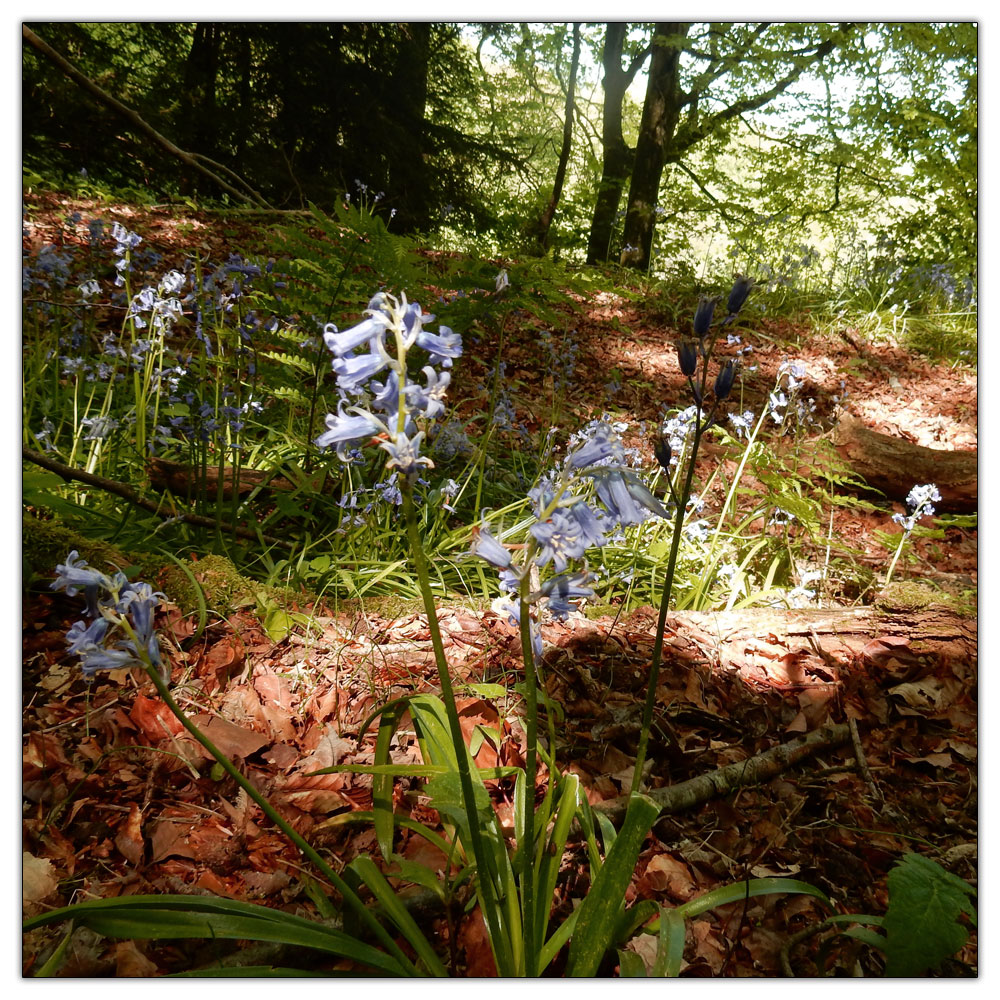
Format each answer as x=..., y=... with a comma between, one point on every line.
x=114, y=817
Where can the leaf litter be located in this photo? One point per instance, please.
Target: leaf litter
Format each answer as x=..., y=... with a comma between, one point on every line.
x=120, y=800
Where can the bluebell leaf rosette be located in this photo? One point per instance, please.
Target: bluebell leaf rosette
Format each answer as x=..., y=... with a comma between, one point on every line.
x=394, y=410
x=122, y=632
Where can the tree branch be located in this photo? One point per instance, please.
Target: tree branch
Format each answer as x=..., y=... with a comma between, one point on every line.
x=760, y=768
x=135, y=498
x=136, y=121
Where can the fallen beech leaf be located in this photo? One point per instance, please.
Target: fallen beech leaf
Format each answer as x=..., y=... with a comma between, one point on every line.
x=474, y=941
x=667, y=875
x=129, y=840
x=131, y=963
x=154, y=719
x=231, y=739
x=38, y=881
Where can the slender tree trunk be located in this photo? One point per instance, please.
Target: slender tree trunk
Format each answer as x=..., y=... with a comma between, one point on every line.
x=406, y=154
x=544, y=223
x=660, y=114
x=198, y=96
x=617, y=154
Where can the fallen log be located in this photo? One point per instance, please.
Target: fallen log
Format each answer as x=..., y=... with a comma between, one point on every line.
x=893, y=465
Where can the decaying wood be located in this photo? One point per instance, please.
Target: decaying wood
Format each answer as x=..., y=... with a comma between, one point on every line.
x=159, y=507
x=893, y=465
x=180, y=479
x=754, y=770
x=787, y=647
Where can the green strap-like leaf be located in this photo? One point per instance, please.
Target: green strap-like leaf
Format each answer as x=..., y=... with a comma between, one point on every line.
x=598, y=917
x=163, y=917
x=382, y=782
x=398, y=914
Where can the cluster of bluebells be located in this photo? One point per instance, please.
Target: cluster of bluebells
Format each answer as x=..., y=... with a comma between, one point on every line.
x=561, y=359
x=919, y=503
x=152, y=312
x=395, y=410
x=788, y=406
x=581, y=506
x=120, y=632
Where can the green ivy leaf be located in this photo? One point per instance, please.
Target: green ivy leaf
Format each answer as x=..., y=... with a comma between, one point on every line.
x=921, y=924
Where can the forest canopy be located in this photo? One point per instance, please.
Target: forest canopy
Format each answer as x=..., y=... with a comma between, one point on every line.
x=669, y=147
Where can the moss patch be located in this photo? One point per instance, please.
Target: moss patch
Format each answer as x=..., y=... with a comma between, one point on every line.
x=46, y=543
x=910, y=595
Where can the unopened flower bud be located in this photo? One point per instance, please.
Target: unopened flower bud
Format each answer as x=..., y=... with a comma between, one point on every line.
x=687, y=357
x=738, y=294
x=703, y=316
x=661, y=449
x=724, y=380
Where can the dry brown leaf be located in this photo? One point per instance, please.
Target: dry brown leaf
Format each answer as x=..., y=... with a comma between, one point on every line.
x=154, y=719
x=231, y=739
x=129, y=840
x=131, y=963
x=38, y=882
x=669, y=876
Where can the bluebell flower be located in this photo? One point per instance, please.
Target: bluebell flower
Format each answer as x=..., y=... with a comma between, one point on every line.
x=81, y=637
x=353, y=371
x=344, y=429
x=562, y=538
x=404, y=453
x=603, y=446
x=626, y=498
x=442, y=346
x=74, y=575
x=512, y=608
x=487, y=547
x=99, y=658
x=562, y=589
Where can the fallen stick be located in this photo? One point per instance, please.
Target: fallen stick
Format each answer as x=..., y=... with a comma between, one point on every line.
x=126, y=492
x=753, y=771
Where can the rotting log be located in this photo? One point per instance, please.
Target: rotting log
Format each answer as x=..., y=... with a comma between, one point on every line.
x=790, y=646
x=893, y=466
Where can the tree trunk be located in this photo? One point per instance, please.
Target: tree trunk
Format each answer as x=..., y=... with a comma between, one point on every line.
x=617, y=160
x=406, y=152
x=893, y=466
x=660, y=113
x=198, y=94
x=544, y=223
x=138, y=124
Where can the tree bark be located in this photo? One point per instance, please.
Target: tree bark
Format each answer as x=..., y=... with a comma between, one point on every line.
x=662, y=119
x=406, y=151
x=660, y=113
x=617, y=154
x=782, y=647
x=544, y=223
x=893, y=465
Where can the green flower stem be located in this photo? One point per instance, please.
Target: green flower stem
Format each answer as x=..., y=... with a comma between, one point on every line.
x=488, y=874
x=668, y=584
x=530, y=776
x=350, y=897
